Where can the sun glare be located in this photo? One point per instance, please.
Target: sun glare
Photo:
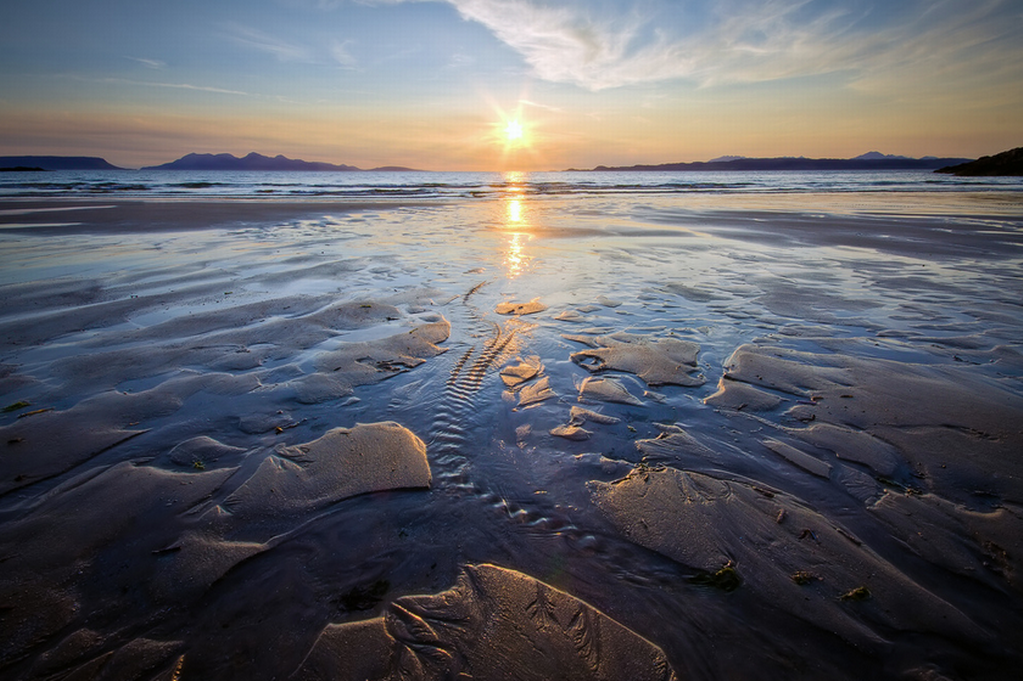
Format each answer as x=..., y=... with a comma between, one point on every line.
x=513, y=131
x=514, y=137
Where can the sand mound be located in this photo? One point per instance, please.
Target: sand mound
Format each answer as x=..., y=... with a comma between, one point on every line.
x=808, y=463
x=138, y=659
x=983, y=546
x=355, y=364
x=667, y=361
x=946, y=426
x=201, y=452
x=368, y=362
x=526, y=370
x=607, y=390
x=573, y=430
x=941, y=445
x=494, y=623
x=579, y=416
x=570, y=432
x=71, y=532
x=43, y=445
x=341, y=464
x=519, y=379
x=196, y=560
x=173, y=526
x=738, y=535
x=532, y=307
x=537, y=392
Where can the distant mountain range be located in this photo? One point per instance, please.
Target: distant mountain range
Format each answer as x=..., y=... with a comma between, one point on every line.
x=56, y=163
x=253, y=161
x=256, y=161
x=1006, y=163
x=872, y=160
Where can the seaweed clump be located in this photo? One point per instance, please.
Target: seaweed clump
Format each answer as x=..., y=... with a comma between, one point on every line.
x=860, y=593
x=726, y=579
x=802, y=577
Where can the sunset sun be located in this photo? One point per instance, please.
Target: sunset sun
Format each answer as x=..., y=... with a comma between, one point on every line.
x=514, y=137
x=513, y=131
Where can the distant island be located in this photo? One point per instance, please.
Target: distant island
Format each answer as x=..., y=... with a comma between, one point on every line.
x=36, y=163
x=192, y=162
x=1006, y=163
x=256, y=161
x=870, y=161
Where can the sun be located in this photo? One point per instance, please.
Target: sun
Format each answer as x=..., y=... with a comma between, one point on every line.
x=514, y=137
x=513, y=131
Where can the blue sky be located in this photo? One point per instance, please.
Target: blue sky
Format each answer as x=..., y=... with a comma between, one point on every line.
x=433, y=83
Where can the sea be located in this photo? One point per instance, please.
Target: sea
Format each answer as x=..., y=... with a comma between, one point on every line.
x=460, y=185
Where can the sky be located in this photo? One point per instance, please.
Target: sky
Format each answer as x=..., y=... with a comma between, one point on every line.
x=509, y=84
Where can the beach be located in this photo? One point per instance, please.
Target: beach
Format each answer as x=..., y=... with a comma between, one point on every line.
x=533, y=434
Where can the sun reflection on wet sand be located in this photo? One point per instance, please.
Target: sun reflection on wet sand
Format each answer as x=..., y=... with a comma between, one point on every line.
x=514, y=211
x=515, y=257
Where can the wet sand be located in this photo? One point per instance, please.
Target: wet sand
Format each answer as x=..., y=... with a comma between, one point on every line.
x=537, y=437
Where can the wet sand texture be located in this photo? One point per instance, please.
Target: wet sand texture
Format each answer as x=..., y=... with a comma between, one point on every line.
x=178, y=549
x=938, y=438
x=767, y=538
x=493, y=624
x=298, y=441
x=82, y=526
x=957, y=432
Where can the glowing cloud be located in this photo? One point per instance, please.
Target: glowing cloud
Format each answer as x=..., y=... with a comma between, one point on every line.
x=599, y=45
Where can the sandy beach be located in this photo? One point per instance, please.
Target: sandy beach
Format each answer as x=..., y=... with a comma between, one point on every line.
x=523, y=437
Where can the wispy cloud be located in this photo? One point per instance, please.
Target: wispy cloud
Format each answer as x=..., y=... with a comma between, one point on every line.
x=562, y=43
x=175, y=86
x=460, y=60
x=600, y=44
x=264, y=42
x=151, y=63
x=339, y=51
x=537, y=105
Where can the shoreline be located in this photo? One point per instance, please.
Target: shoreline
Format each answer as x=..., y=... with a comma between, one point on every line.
x=104, y=214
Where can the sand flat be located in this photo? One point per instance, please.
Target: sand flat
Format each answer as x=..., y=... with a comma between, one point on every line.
x=700, y=436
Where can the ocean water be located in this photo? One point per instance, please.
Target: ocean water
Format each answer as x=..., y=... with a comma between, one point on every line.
x=444, y=185
x=831, y=488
